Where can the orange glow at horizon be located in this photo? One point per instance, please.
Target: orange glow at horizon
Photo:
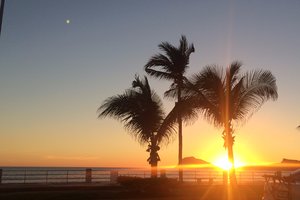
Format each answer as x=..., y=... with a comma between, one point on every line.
x=224, y=163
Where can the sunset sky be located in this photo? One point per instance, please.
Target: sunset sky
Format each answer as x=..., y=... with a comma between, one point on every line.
x=60, y=59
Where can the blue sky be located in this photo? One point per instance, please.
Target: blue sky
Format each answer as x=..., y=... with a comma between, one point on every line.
x=54, y=75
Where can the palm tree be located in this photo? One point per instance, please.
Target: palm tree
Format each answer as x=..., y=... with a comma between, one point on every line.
x=227, y=97
x=172, y=65
x=140, y=110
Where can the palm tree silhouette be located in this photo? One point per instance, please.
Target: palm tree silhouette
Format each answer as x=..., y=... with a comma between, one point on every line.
x=227, y=97
x=172, y=65
x=140, y=110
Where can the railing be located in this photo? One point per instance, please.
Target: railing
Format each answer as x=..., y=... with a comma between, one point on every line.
x=108, y=176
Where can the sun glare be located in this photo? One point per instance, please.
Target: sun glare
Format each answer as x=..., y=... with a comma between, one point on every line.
x=223, y=163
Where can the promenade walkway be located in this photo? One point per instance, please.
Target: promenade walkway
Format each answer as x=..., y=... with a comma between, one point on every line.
x=98, y=191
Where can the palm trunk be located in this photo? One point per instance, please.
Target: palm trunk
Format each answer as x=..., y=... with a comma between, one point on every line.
x=179, y=137
x=153, y=157
x=180, y=149
x=228, y=130
x=232, y=190
x=154, y=170
x=232, y=176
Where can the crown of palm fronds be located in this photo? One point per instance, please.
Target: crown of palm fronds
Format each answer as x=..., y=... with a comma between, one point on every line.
x=247, y=92
x=173, y=63
x=140, y=110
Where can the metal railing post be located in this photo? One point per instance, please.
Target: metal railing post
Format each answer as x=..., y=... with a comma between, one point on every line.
x=114, y=176
x=1, y=176
x=47, y=176
x=68, y=176
x=88, y=175
x=25, y=173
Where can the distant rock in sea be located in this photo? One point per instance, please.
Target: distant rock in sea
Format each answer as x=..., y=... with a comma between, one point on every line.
x=193, y=161
x=289, y=161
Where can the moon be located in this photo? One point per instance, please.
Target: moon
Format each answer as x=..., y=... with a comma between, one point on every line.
x=68, y=21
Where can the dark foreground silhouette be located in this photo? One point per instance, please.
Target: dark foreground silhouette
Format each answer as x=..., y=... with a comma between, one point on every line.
x=94, y=192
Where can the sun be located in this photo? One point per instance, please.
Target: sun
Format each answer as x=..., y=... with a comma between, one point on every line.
x=223, y=163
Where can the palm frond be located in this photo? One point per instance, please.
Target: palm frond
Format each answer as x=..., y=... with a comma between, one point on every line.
x=159, y=74
x=187, y=110
x=189, y=107
x=247, y=92
x=183, y=44
x=142, y=87
x=233, y=73
x=172, y=63
x=211, y=83
x=168, y=125
x=159, y=60
x=172, y=92
x=235, y=113
x=117, y=106
x=139, y=109
x=211, y=78
x=258, y=87
x=170, y=50
x=185, y=48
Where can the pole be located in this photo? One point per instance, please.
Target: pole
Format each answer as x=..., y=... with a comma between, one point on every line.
x=88, y=175
x=1, y=14
x=0, y=176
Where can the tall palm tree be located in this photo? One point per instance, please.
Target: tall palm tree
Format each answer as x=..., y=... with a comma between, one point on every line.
x=140, y=110
x=172, y=65
x=227, y=97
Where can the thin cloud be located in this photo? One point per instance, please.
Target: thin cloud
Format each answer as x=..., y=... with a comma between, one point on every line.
x=51, y=157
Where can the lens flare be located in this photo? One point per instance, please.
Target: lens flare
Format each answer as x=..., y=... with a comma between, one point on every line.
x=223, y=163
